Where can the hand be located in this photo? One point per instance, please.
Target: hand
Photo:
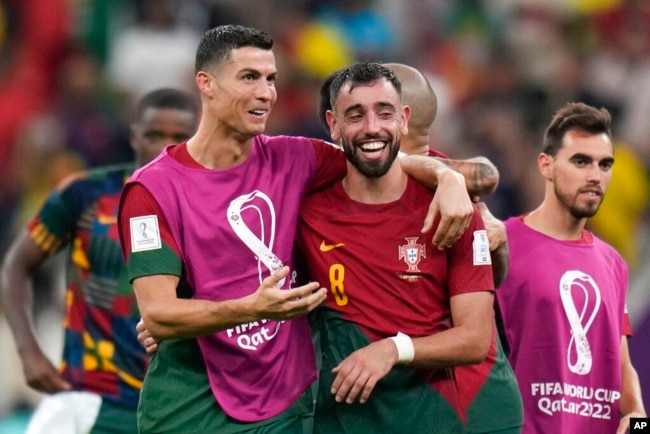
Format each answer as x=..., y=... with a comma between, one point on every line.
x=149, y=343
x=271, y=302
x=624, y=424
x=455, y=207
x=496, y=230
x=41, y=375
x=362, y=369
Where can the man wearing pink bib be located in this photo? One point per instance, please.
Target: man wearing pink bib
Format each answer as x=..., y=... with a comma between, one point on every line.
x=563, y=300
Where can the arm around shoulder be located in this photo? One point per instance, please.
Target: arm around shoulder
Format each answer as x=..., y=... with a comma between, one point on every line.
x=482, y=177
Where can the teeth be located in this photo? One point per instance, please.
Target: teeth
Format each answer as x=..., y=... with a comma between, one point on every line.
x=258, y=112
x=374, y=146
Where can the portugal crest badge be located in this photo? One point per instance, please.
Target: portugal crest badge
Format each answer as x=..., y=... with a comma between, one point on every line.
x=412, y=253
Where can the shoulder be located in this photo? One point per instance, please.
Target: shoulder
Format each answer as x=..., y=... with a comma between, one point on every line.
x=107, y=179
x=607, y=249
x=295, y=146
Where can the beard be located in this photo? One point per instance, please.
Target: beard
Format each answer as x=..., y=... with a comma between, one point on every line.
x=370, y=168
x=576, y=210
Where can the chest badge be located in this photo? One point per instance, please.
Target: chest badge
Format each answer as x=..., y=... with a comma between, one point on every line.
x=412, y=253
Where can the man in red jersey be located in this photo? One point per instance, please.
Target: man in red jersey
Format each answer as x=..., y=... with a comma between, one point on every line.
x=399, y=314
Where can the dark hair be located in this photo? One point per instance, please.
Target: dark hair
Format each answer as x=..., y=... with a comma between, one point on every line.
x=575, y=116
x=324, y=103
x=217, y=43
x=167, y=98
x=361, y=73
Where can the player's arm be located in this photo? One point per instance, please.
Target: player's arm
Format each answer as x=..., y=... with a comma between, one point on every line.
x=467, y=342
x=631, y=399
x=481, y=176
x=164, y=315
x=22, y=260
x=451, y=200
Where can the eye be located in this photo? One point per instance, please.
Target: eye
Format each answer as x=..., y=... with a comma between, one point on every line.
x=249, y=77
x=606, y=165
x=153, y=135
x=580, y=162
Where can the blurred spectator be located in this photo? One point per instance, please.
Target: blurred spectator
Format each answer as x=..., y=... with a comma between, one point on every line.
x=363, y=25
x=34, y=37
x=155, y=50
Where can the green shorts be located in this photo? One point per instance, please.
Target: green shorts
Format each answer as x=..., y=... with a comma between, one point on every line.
x=176, y=398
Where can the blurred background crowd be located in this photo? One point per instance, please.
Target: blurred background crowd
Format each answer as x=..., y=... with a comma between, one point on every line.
x=71, y=70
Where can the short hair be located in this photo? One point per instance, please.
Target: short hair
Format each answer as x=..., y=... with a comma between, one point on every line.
x=217, y=44
x=575, y=116
x=362, y=73
x=167, y=98
x=324, y=103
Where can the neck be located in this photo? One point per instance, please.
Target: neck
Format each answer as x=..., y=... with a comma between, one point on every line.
x=556, y=222
x=215, y=149
x=414, y=149
x=385, y=189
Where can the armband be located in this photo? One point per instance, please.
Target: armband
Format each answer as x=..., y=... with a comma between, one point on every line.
x=405, y=349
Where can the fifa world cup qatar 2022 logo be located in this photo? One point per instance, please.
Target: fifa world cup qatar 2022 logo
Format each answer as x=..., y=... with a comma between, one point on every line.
x=581, y=301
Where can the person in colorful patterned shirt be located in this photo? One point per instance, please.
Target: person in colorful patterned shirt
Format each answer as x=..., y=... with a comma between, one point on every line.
x=97, y=386
x=563, y=300
x=223, y=208
x=399, y=314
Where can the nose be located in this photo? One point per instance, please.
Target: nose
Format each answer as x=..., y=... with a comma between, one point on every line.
x=265, y=91
x=372, y=125
x=594, y=173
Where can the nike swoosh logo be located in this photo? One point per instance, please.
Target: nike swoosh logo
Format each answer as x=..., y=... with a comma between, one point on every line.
x=327, y=247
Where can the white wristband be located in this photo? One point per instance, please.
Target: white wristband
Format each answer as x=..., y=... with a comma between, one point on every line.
x=405, y=349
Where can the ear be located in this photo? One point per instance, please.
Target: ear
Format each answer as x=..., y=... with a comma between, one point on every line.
x=331, y=122
x=406, y=115
x=203, y=81
x=545, y=165
x=133, y=135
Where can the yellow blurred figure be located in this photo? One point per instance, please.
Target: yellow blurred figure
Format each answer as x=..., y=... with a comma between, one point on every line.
x=592, y=6
x=620, y=214
x=321, y=49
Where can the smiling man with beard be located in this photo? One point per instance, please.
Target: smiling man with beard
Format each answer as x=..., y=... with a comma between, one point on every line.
x=399, y=313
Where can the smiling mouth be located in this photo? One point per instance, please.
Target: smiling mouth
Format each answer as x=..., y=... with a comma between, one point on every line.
x=372, y=147
x=258, y=113
x=592, y=193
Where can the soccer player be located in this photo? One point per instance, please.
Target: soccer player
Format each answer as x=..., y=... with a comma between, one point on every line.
x=399, y=314
x=98, y=384
x=563, y=301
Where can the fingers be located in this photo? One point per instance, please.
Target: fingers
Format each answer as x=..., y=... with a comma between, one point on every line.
x=496, y=230
x=50, y=383
x=148, y=342
x=348, y=383
x=450, y=229
x=305, y=299
x=275, y=279
x=431, y=216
